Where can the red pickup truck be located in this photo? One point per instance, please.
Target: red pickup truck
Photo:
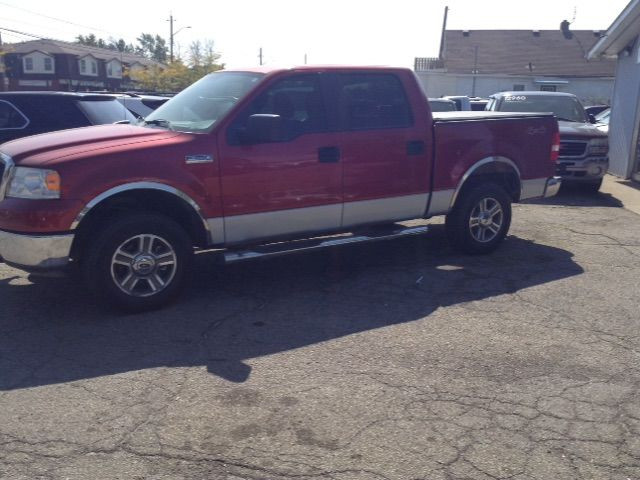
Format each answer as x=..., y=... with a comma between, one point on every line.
x=264, y=162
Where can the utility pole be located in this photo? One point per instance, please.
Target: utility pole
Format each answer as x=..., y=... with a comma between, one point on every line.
x=260, y=55
x=171, y=37
x=305, y=58
x=475, y=70
x=444, y=28
x=172, y=34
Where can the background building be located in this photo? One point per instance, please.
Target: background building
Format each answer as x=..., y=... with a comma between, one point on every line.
x=622, y=43
x=483, y=62
x=56, y=65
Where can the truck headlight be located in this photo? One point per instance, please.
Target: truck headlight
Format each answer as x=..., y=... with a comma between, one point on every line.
x=598, y=147
x=34, y=183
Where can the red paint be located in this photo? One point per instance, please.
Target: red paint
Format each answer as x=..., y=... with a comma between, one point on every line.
x=270, y=177
x=459, y=145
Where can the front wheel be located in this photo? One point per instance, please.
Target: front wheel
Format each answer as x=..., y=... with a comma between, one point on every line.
x=138, y=262
x=480, y=219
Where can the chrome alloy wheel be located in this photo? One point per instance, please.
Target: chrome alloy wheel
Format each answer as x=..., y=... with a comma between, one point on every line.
x=486, y=220
x=143, y=265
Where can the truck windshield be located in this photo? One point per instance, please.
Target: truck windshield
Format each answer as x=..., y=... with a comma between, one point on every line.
x=197, y=108
x=565, y=108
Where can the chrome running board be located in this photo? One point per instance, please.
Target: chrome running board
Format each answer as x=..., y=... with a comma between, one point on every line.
x=284, y=248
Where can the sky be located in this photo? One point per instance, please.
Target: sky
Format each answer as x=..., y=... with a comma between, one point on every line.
x=360, y=32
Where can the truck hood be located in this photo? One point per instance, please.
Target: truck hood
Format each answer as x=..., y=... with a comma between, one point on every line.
x=56, y=146
x=575, y=129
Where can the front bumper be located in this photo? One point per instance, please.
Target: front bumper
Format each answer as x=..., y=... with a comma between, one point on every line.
x=552, y=187
x=589, y=169
x=35, y=252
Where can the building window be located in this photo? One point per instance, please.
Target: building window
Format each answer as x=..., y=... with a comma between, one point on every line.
x=83, y=66
x=48, y=64
x=109, y=70
x=518, y=88
x=94, y=68
x=548, y=88
x=28, y=64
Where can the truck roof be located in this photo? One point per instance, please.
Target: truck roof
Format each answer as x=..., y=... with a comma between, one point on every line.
x=276, y=69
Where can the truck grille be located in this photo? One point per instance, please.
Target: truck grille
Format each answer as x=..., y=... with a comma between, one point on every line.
x=572, y=149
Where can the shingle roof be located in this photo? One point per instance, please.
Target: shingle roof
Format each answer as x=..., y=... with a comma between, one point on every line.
x=58, y=46
x=510, y=52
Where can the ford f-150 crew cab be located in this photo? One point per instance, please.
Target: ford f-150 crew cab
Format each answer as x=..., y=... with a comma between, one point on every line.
x=584, y=148
x=263, y=162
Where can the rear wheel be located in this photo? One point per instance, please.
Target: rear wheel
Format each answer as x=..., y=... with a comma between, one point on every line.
x=480, y=219
x=138, y=262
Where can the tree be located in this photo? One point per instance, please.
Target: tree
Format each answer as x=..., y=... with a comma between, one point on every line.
x=120, y=45
x=153, y=47
x=203, y=58
x=195, y=53
x=89, y=40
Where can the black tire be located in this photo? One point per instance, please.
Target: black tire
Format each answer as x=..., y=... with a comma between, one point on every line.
x=470, y=239
x=158, y=252
x=591, y=187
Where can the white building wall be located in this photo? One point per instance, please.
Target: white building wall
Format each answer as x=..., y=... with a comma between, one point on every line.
x=436, y=84
x=623, y=126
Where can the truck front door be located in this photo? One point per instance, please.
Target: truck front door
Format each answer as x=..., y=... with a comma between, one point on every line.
x=289, y=183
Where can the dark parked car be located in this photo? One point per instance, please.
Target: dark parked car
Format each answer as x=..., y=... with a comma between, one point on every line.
x=140, y=105
x=595, y=109
x=31, y=113
x=584, y=148
x=442, y=105
x=478, y=104
x=602, y=120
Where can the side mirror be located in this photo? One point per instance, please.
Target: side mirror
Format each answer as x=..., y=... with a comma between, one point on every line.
x=592, y=118
x=262, y=128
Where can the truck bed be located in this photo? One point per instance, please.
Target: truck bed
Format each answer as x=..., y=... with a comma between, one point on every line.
x=484, y=115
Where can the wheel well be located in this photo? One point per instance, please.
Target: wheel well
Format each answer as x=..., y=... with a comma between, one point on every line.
x=137, y=201
x=499, y=173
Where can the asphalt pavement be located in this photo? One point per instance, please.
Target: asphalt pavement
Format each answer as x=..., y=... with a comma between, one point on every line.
x=396, y=360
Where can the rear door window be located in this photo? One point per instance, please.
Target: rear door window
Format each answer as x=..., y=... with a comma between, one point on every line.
x=105, y=111
x=51, y=112
x=11, y=118
x=372, y=101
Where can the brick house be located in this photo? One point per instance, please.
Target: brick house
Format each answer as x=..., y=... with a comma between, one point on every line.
x=56, y=65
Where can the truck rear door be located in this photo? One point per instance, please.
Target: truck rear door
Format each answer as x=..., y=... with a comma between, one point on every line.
x=385, y=147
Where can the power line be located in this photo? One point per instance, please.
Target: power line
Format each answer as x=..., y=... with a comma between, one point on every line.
x=55, y=18
x=18, y=24
x=21, y=33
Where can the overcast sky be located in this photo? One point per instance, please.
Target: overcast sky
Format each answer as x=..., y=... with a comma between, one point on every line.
x=328, y=31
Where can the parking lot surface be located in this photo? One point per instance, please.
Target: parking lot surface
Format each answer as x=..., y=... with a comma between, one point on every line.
x=396, y=360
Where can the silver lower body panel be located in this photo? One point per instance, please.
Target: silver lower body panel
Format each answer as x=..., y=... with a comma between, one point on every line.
x=35, y=252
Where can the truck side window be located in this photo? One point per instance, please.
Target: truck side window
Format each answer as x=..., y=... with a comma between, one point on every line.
x=371, y=101
x=296, y=100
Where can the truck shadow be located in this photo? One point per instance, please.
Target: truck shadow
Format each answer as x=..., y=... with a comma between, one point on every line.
x=51, y=332
x=573, y=196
